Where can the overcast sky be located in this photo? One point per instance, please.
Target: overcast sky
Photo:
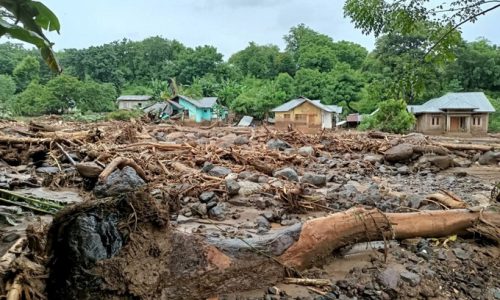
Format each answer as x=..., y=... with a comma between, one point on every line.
x=228, y=25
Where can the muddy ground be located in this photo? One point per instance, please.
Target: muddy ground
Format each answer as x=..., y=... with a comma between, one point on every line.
x=240, y=183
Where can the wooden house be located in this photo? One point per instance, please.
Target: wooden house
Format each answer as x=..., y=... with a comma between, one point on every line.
x=306, y=115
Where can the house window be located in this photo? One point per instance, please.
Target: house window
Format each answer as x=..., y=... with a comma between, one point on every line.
x=435, y=121
x=286, y=116
x=301, y=118
x=476, y=121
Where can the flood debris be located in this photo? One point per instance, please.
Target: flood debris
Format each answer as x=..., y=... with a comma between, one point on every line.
x=175, y=212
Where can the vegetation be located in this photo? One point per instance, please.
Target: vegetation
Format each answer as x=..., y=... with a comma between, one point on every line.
x=417, y=56
x=124, y=115
x=391, y=116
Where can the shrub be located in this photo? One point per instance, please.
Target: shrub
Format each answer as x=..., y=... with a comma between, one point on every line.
x=124, y=115
x=391, y=116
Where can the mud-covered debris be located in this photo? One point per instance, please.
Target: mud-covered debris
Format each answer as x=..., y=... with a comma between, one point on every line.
x=277, y=144
x=119, y=182
x=489, y=158
x=399, y=153
x=314, y=179
x=287, y=173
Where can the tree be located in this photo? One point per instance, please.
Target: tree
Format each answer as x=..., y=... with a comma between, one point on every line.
x=96, y=97
x=33, y=101
x=344, y=86
x=310, y=83
x=196, y=63
x=26, y=71
x=391, y=116
x=260, y=61
x=7, y=88
x=26, y=20
x=65, y=89
x=350, y=53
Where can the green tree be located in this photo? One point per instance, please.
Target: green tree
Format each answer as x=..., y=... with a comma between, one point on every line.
x=65, y=89
x=7, y=88
x=260, y=61
x=96, y=97
x=26, y=20
x=33, y=101
x=344, y=87
x=391, y=116
x=310, y=83
x=26, y=71
x=196, y=63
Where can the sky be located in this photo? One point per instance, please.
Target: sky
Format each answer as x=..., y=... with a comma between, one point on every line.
x=228, y=25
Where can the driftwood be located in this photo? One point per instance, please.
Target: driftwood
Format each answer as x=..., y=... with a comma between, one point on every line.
x=89, y=169
x=10, y=255
x=308, y=281
x=483, y=148
x=119, y=163
x=448, y=199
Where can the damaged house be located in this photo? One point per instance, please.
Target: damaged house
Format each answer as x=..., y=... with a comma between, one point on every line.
x=204, y=109
x=458, y=113
x=133, y=101
x=306, y=115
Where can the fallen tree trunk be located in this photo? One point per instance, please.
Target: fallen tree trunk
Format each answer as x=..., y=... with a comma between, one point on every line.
x=447, y=200
x=154, y=261
x=478, y=147
x=120, y=163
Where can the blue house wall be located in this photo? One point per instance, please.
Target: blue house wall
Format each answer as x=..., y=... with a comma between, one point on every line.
x=196, y=113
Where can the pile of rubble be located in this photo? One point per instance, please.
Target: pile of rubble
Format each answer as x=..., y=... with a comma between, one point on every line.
x=231, y=186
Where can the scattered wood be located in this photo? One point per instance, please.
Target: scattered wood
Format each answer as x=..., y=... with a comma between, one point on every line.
x=477, y=147
x=120, y=163
x=89, y=169
x=448, y=199
x=308, y=281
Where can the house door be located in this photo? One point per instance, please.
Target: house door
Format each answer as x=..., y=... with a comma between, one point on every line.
x=454, y=124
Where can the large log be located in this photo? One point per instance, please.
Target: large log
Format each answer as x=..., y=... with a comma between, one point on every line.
x=478, y=147
x=92, y=259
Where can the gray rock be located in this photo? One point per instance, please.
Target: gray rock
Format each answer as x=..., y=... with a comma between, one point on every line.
x=262, y=222
x=218, y=212
x=241, y=140
x=410, y=277
x=119, y=182
x=232, y=187
x=462, y=162
x=489, y=158
x=218, y=171
x=199, y=209
x=287, y=173
x=306, y=151
x=315, y=179
x=442, y=162
x=389, y=278
x=248, y=188
x=322, y=160
x=262, y=179
x=461, y=253
x=207, y=166
x=373, y=158
x=202, y=141
x=207, y=196
x=48, y=170
x=403, y=170
x=415, y=201
x=277, y=144
x=401, y=152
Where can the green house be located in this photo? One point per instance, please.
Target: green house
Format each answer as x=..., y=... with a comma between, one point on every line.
x=204, y=109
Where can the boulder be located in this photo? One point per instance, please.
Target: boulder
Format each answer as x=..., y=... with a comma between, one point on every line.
x=401, y=152
x=389, y=278
x=119, y=182
x=287, y=173
x=248, y=188
x=373, y=158
x=442, y=162
x=315, y=179
x=241, y=140
x=205, y=197
x=219, y=171
x=489, y=158
x=218, y=212
x=306, y=151
x=277, y=144
x=232, y=187
x=403, y=170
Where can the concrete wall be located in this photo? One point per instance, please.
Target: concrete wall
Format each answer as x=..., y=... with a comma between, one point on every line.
x=424, y=123
x=482, y=128
x=312, y=123
x=195, y=113
x=130, y=104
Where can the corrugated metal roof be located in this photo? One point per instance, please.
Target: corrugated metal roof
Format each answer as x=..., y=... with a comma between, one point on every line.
x=245, y=121
x=475, y=101
x=206, y=102
x=296, y=102
x=134, y=98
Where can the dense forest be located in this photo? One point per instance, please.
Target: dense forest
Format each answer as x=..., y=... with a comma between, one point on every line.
x=252, y=80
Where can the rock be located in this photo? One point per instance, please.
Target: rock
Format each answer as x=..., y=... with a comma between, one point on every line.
x=202, y=141
x=415, y=201
x=241, y=140
x=389, y=278
x=277, y=144
x=207, y=196
x=175, y=135
x=315, y=179
x=207, y=166
x=119, y=182
x=489, y=158
x=48, y=170
x=461, y=162
x=232, y=187
x=287, y=173
x=262, y=179
x=248, y=188
x=403, y=170
x=442, y=162
x=218, y=212
x=231, y=176
x=323, y=160
x=199, y=209
x=306, y=151
x=373, y=158
x=218, y=171
x=401, y=152
x=410, y=277
x=262, y=222
x=461, y=253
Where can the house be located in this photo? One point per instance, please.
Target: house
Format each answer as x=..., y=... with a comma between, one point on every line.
x=306, y=115
x=204, y=109
x=453, y=113
x=164, y=109
x=353, y=120
x=133, y=101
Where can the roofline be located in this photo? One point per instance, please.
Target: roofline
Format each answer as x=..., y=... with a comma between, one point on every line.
x=305, y=100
